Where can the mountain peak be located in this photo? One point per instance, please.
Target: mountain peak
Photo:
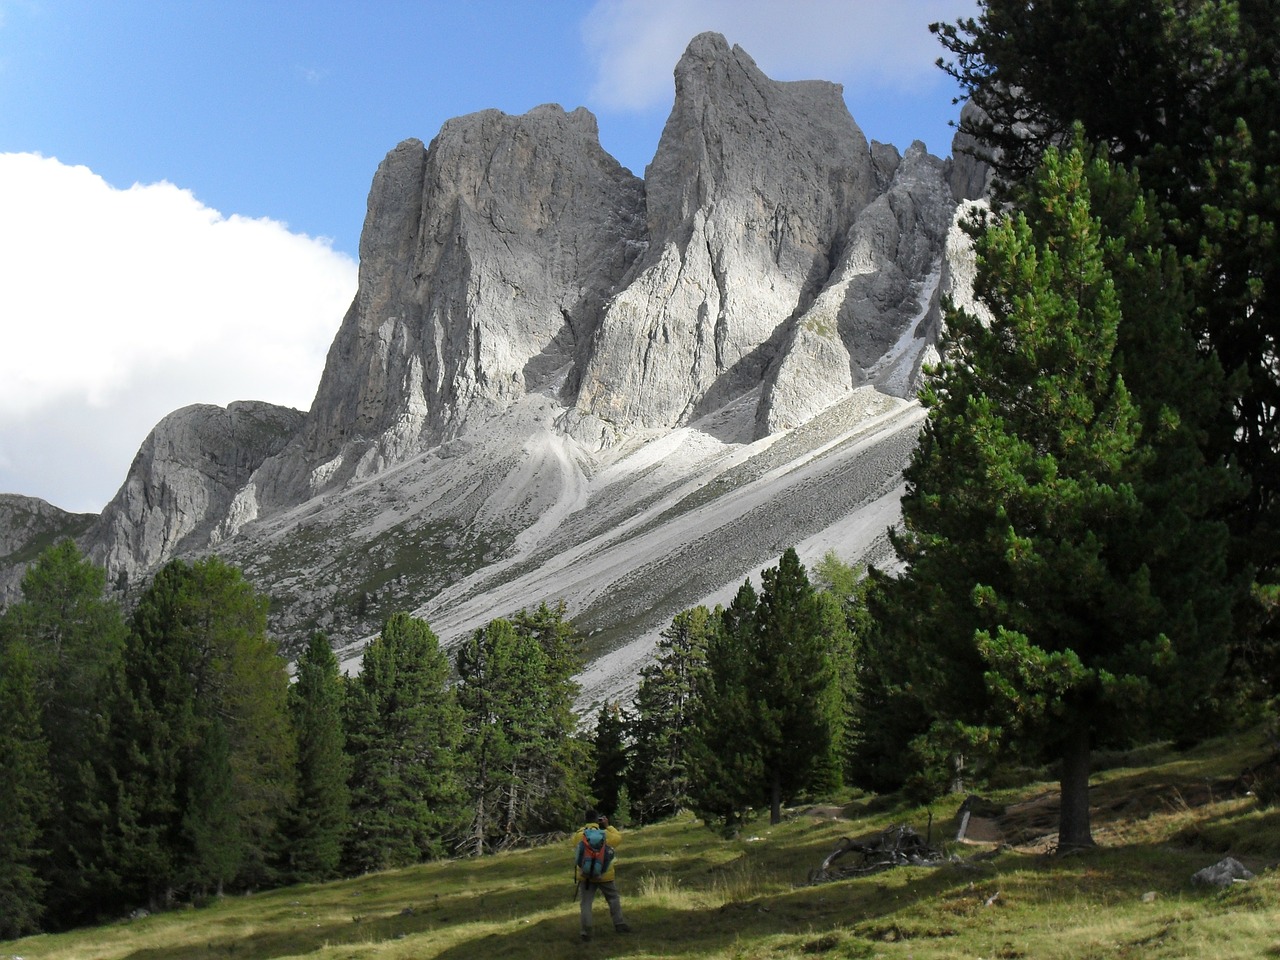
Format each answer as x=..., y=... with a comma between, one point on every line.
x=558, y=380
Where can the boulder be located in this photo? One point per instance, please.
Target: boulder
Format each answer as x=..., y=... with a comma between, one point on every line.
x=1222, y=874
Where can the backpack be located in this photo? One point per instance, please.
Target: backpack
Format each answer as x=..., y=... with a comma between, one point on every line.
x=594, y=855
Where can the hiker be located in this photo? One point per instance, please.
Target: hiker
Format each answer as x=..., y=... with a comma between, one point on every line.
x=594, y=847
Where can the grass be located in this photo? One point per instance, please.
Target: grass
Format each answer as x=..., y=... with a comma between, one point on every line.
x=689, y=894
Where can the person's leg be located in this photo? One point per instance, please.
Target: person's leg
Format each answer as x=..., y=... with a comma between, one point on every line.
x=587, y=892
x=610, y=892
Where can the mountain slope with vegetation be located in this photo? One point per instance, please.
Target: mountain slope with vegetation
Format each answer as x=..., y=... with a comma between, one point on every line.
x=1160, y=815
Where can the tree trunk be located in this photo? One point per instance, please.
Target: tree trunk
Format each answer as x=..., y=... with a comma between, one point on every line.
x=1074, y=831
x=478, y=824
x=775, y=799
x=957, y=773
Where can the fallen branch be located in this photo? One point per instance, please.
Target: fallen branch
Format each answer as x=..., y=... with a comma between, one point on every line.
x=899, y=846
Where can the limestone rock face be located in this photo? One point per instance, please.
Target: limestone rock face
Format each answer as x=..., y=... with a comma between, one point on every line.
x=865, y=326
x=183, y=481
x=485, y=262
x=556, y=379
x=27, y=524
x=754, y=183
x=971, y=177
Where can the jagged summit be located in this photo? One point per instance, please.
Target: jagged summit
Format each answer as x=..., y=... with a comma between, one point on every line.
x=484, y=262
x=754, y=184
x=557, y=380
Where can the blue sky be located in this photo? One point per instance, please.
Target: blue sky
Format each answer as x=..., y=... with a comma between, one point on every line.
x=182, y=182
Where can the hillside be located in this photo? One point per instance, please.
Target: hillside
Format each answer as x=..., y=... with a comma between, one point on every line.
x=1159, y=817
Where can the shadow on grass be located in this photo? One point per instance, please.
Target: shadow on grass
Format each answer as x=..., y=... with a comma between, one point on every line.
x=854, y=916
x=820, y=916
x=657, y=930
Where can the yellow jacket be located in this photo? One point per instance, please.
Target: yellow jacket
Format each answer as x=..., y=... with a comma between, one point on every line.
x=612, y=836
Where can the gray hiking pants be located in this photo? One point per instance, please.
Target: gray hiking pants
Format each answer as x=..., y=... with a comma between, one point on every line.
x=588, y=894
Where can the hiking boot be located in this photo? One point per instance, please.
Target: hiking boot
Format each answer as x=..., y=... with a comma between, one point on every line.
x=623, y=928
x=585, y=935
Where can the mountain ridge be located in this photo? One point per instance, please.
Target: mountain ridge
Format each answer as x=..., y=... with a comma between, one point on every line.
x=549, y=361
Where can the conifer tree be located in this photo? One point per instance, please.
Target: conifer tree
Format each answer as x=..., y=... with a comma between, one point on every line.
x=1045, y=563
x=772, y=714
x=1187, y=94
x=318, y=823
x=527, y=770
x=403, y=734
x=664, y=709
x=611, y=753
x=199, y=669
x=502, y=675
x=75, y=637
x=209, y=823
x=25, y=793
x=557, y=774
x=843, y=590
x=727, y=764
x=800, y=713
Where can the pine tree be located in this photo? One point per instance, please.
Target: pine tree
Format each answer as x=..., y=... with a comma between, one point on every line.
x=199, y=668
x=611, y=753
x=1187, y=94
x=75, y=636
x=320, y=818
x=403, y=733
x=1040, y=600
x=208, y=814
x=726, y=761
x=800, y=711
x=772, y=712
x=502, y=676
x=25, y=792
x=664, y=710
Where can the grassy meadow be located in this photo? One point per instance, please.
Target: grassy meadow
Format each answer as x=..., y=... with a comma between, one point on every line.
x=1158, y=817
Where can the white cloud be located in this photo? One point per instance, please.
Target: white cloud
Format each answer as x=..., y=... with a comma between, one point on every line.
x=635, y=43
x=120, y=306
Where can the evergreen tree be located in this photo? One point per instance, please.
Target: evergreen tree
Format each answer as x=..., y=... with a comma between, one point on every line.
x=403, y=732
x=1186, y=93
x=320, y=818
x=611, y=753
x=664, y=709
x=726, y=761
x=25, y=791
x=772, y=714
x=890, y=716
x=502, y=679
x=800, y=715
x=209, y=814
x=556, y=775
x=75, y=637
x=199, y=670
x=1044, y=554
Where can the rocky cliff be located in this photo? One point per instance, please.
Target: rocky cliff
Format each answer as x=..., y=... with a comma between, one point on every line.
x=179, y=493
x=557, y=380
x=485, y=262
x=27, y=526
x=749, y=199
